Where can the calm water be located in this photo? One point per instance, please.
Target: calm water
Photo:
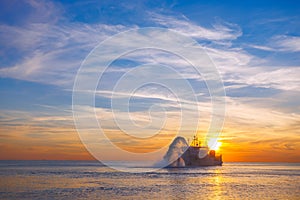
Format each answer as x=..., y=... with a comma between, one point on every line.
x=90, y=180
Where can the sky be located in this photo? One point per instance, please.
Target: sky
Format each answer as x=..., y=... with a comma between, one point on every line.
x=254, y=45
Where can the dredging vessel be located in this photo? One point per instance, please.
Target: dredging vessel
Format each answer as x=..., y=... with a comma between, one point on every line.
x=182, y=154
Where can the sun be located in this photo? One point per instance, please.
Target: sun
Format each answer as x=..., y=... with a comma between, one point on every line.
x=214, y=145
x=217, y=146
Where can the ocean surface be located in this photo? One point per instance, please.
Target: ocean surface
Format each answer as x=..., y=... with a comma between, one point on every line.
x=91, y=180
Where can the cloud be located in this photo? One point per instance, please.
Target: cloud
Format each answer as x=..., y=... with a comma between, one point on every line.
x=282, y=78
x=286, y=43
x=241, y=69
x=49, y=132
x=280, y=43
x=245, y=112
x=42, y=11
x=53, y=51
x=50, y=50
x=47, y=117
x=219, y=31
x=264, y=48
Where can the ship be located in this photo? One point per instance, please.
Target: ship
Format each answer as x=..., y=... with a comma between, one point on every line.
x=182, y=154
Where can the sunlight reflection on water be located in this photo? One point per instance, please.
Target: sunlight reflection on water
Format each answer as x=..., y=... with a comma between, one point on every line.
x=71, y=180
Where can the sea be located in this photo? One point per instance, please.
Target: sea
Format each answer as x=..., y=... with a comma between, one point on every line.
x=93, y=180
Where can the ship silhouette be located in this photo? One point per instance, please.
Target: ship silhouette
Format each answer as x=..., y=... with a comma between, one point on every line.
x=182, y=154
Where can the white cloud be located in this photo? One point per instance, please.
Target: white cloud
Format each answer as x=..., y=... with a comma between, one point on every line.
x=257, y=114
x=225, y=31
x=286, y=43
x=239, y=67
x=265, y=48
x=283, y=78
x=52, y=52
x=280, y=43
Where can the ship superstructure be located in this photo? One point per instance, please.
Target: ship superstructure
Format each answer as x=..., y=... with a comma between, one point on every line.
x=196, y=155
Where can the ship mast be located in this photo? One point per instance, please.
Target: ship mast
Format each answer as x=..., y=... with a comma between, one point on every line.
x=195, y=142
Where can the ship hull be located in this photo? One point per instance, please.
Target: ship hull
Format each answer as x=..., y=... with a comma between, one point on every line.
x=194, y=157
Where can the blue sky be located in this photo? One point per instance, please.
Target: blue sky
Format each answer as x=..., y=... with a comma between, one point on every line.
x=255, y=46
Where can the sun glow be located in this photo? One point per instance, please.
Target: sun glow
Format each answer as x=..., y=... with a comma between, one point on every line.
x=213, y=144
